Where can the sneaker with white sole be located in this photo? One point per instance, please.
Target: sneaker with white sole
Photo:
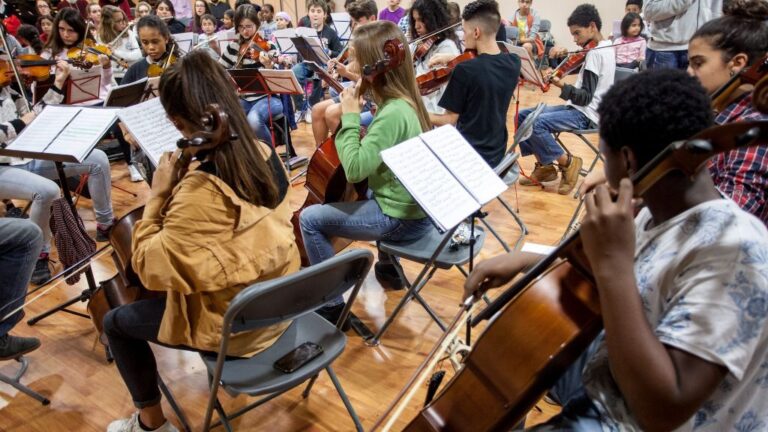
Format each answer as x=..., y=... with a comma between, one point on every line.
x=132, y=424
x=308, y=116
x=135, y=173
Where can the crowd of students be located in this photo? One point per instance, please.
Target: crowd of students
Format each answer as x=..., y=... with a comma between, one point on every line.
x=683, y=281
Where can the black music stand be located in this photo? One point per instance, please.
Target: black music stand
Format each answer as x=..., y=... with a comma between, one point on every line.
x=270, y=83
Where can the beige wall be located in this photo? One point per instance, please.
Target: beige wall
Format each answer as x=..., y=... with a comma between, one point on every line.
x=556, y=11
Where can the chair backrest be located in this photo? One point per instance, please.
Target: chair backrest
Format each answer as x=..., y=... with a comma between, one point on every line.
x=512, y=32
x=545, y=26
x=296, y=294
x=525, y=128
x=622, y=74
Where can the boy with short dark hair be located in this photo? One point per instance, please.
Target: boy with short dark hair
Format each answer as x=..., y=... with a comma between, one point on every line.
x=683, y=286
x=478, y=107
x=580, y=110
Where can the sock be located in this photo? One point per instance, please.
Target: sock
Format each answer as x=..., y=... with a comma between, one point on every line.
x=43, y=255
x=145, y=427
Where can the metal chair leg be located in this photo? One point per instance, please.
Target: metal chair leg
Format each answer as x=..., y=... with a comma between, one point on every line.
x=347, y=403
x=15, y=382
x=174, y=406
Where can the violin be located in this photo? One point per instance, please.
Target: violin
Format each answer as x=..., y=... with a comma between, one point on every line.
x=755, y=75
x=101, y=49
x=510, y=367
x=126, y=287
x=432, y=80
x=157, y=69
x=423, y=48
x=326, y=180
x=32, y=67
x=569, y=64
x=252, y=48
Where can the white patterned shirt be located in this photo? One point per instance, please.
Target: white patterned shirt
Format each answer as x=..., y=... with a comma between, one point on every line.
x=703, y=279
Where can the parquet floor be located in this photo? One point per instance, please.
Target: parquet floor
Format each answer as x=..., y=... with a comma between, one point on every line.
x=87, y=393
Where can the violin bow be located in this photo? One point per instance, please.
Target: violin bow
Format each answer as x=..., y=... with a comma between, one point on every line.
x=398, y=405
x=16, y=74
x=433, y=33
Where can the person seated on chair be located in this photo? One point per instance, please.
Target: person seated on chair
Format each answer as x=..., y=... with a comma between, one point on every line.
x=20, y=244
x=580, y=110
x=326, y=115
x=392, y=213
x=17, y=181
x=683, y=286
x=719, y=50
x=258, y=108
x=527, y=21
x=478, y=107
x=222, y=227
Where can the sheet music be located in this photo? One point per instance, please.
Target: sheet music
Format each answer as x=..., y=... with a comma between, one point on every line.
x=341, y=23
x=149, y=124
x=311, y=49
x=528, y=68
x=184, y=40
x=126, y=94
x=430, y=183
x=283, y=40
x=79, y=137
x=281, y=81
x=464, y=163
x=35, y=138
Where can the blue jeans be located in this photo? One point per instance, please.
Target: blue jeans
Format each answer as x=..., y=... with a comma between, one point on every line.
x=258, y=113
x=552, y=119
x=16, y=183
x=666, y=59
x=20, y=244
x=96, y=165
x=304, y=74
x=360, y=220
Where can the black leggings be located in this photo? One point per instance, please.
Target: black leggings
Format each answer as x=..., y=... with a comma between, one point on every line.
x=130, y=328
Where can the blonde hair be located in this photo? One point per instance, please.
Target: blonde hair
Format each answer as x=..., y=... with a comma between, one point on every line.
x=398, y=83
x=107, y=32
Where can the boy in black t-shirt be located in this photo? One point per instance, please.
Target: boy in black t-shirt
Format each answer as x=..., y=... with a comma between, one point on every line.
x=478, y=95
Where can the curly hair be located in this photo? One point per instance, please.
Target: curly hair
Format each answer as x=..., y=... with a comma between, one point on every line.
x=649, y=110
x=434, y=14
x=585, y=14
x=743, y=29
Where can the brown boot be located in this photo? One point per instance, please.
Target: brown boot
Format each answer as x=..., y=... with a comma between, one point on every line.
x=541, y=174
x=570, y=175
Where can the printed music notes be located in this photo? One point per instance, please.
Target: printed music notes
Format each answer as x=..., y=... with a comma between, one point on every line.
x=149, y=125
x=444, y=174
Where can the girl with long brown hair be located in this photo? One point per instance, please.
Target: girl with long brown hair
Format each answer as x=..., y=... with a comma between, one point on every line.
x=224, y=226
x=392, y=213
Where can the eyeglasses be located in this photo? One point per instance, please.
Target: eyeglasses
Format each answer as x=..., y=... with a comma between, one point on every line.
x=246, y=27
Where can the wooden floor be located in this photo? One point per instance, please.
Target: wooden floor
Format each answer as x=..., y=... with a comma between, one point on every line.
x=87, y=393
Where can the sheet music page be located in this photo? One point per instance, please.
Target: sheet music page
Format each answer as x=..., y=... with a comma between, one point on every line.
x=184, y=40
x=36, y=136
x=307, y=32
x=430, y=183
x=528, y=68
x=80, y=136
x=149, y=124
x=464, y=163
x=341, y=23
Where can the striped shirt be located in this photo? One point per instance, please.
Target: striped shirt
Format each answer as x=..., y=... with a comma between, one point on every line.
x=229, y=58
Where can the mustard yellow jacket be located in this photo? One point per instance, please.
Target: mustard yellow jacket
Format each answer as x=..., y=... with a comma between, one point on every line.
x=203, y=245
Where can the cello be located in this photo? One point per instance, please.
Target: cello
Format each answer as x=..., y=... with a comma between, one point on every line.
x=559, y=295
x=326, y=180
x=126, y=287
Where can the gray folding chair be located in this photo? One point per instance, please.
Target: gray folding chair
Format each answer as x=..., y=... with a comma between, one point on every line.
x=15, y=381
x=620, y=74
x=431, y=250
x=512, y=33
x=501, y=170
x=293, y=297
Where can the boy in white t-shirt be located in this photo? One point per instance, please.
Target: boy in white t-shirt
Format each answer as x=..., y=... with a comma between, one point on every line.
x=683, y=286
x=580, y=110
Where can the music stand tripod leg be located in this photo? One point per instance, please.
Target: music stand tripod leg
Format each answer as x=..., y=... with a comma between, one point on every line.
x=86, y=294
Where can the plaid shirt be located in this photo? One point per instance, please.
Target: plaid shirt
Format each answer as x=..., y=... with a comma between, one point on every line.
x=743, y=174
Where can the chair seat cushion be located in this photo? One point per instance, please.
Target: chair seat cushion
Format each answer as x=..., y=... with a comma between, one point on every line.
x=257, y=375
x=421, y=249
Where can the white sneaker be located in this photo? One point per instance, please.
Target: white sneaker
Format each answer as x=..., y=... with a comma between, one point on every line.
x=135, y=174
x=308, y=116
x=131, y=424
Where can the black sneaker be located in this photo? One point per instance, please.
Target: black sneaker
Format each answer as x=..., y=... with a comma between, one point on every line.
x=102, y=232
x=333, y=313
x=388, y=276
x=42, y=271
x=12, y=347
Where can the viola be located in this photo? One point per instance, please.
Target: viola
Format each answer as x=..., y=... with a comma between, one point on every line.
x=571, y=63
x=510, y=367
x=432, y=80
x=754, y=75
x=423, y=48
x=126, y=287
